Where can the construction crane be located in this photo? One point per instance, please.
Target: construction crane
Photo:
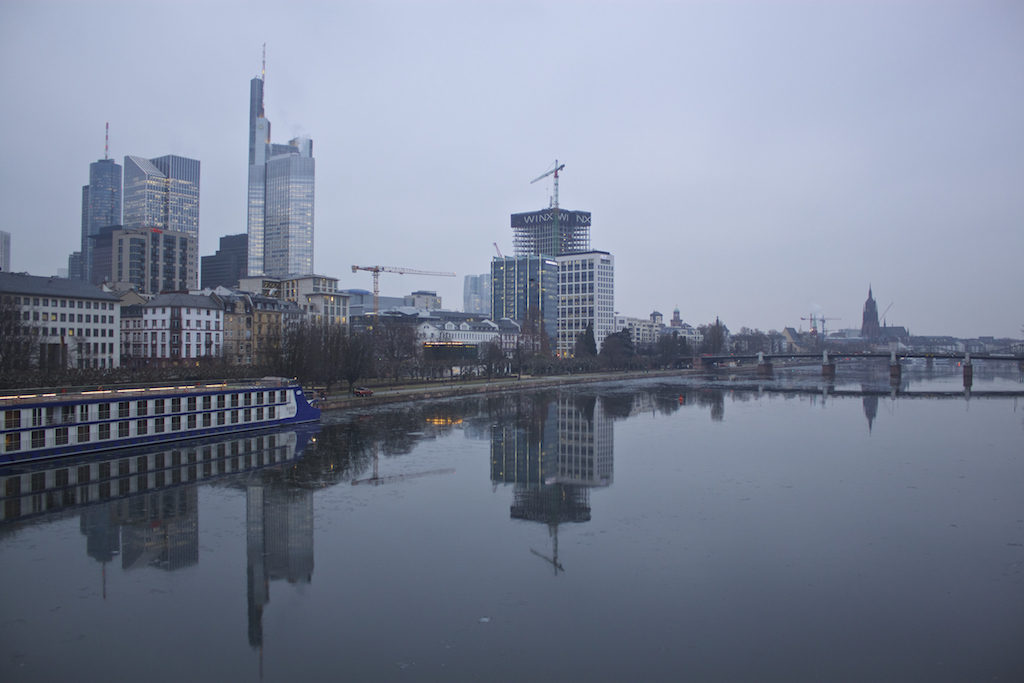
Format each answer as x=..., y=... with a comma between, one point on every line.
x=500, y=255
x=821, y=319
x=554, y=171
x=377, y=270
x=377, y=480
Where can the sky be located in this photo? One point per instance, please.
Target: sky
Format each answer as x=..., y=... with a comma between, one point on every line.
x=755, y=161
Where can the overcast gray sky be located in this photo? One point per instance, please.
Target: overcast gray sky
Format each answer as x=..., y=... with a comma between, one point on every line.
x=758, y=161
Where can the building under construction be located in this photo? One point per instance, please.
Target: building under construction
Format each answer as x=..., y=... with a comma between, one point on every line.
x=550, y=232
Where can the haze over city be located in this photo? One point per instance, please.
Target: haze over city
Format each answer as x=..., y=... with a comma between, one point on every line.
x=757, y=161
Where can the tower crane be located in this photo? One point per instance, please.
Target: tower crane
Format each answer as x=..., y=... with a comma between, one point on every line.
x=558, y=167
x=377, y=270
x=821, y=319
x=500, y=255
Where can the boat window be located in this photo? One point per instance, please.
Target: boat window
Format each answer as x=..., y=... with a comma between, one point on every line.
x=248, y=398
x=234, y=417
x=67, y=414
x=158, y=425
x=248, y=415
x=191, y=403
x=158, y=406
x=271, y=412
x=220, y=400
x=37, y=417
x=123, y=409
x=142, y=408
x=83, y=413
x=176, y=423
x=141, y=426
x=83, y=434
x=104, y=430
x=104, y=411
x=123, y=429
x=207, y=402
x=192, y=421
x=220, y=418
x=175, y=405
x=39, y=438
x=259, y=398
x=259, y=414
x=60, y=436
x=12, y=419
x=234, y=400
x=206, y=419
x=283, y=396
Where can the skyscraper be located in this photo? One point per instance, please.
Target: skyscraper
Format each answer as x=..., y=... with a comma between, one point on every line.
x=162, y=193
x=280, y=197
x=101, y=207
x=5, y=251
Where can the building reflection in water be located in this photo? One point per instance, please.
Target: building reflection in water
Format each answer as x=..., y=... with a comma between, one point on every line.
x=553, y=461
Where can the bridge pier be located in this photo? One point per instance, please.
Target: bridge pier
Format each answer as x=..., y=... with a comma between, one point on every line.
x=828, y=368
x=764, y=368
x=895, y=369
x=968, y=371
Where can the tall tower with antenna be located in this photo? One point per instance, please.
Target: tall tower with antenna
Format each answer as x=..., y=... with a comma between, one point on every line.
x=280, y=197
x=101, y=207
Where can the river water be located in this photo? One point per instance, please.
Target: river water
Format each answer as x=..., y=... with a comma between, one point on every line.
x=700, y=529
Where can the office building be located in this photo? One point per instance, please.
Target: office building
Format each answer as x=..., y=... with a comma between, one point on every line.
x=101, y=207
x=162, y=193
x=280, y=197
x=180, y=328
x=64, y=323
x=586, y=296
x=550, y=232
x=476, y=294
x=148, y=260
x=525, y=289
x=227, y=267
x=5, y=251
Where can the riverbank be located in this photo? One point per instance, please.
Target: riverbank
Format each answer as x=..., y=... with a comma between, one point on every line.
x=451, y=389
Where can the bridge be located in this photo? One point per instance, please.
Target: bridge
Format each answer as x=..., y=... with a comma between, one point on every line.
x=828, y=361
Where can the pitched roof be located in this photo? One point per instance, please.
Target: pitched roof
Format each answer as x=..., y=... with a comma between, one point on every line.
x=23, y=283
x=176, y=299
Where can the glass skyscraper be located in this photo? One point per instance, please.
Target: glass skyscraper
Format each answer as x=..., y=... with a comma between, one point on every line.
x=162, y=193
x=101, y=207
x=280, y=197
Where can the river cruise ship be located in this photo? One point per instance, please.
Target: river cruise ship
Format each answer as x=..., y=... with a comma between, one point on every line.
x=63, y=423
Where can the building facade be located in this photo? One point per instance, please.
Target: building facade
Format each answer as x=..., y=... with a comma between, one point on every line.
x=148, y=260
x=101, y=207
x=550, y=232
x=179, y=328
x=476, y=294
x=281, y=197
x=586, y=296
x=162, y=193
x=5, y=251
x=228, y=265
x=317, y=296
x=525, y=289
x=63, y=323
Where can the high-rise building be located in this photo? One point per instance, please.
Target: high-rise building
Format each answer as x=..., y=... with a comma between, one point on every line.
x=525, y=289
x=586, y=296
x=550, y=232
x=476, y=294
x=227, y=267
x=101, y=207
x=280, y=197
x=5, y=251
x=148, y=260
x=162, y=193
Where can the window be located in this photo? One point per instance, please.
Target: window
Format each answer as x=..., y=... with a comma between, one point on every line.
x=141, y=426
x=191, y=403
x=12, y=419
x=176, y=423
x=39, y=438
x=234, y=400
x=104, y=411
x=158, y=406
x=220, y=400
x=83, y=413
x=207, y=419
x=192, y=421
x=12, y=442
x=123, y=409
x=271, y=412
x=104, y=432
x=123, y=429
x=37, y=417
x=207, y=402
x=175, y=405
x=283, y=396
x=220, y=418
x=248, y=415
x=83, y=434
x=60, y=436
x=234, y=417
x=248, y=399
x=259, y=414
x=142, y=408
x=158, y=425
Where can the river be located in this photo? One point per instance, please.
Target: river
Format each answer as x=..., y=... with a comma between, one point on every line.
x=718, y=529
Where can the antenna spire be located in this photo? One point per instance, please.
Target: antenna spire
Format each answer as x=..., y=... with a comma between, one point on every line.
x=106, y=143
x=263, y=70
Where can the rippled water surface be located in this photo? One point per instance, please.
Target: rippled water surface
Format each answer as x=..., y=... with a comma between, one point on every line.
x=646, y=530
